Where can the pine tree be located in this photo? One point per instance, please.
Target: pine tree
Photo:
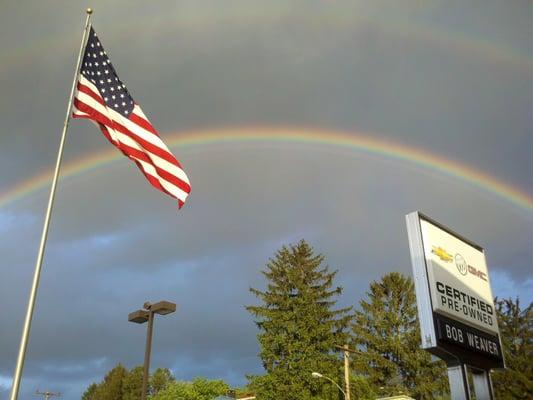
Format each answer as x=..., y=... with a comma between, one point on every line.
x=386, y=332
x=299, y=326
x=516, y=330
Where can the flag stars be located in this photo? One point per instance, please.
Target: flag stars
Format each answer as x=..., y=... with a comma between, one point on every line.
x=97, y=68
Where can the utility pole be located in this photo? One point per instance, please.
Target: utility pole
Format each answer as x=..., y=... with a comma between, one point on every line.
x=46, y=395
x=346, y=353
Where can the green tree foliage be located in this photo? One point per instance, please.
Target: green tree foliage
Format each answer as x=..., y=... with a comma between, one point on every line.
x=386, y=332
x=361, y=388
x=299, y=326
x=516, y=329
x=198, y=389
x=132, y=384
x=121, y=384
x=111, y=388
x=160, y=379
x=90, y=393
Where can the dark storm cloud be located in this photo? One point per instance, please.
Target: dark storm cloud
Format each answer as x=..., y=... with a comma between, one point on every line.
x=119, y=268
x=115, y=242
x=299, y=73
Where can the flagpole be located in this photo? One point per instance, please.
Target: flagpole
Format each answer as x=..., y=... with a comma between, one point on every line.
x=39, y=261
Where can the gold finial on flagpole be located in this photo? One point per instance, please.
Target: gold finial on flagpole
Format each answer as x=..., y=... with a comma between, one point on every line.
x=89, y=11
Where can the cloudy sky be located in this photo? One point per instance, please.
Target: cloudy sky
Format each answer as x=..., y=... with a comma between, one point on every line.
x=422, y=80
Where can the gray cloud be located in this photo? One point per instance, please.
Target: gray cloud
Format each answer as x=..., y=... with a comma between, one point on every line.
x=428, y=76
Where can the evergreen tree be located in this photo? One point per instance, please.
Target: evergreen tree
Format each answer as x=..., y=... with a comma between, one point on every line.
x=361, y=388
x=516, y=330
x=386, y=332
x=299, y=326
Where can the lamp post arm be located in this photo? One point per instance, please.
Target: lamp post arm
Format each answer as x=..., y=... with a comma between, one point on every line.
x=335, y=383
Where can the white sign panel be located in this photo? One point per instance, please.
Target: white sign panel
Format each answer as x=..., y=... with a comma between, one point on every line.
x=458, y=278
x=454, y=296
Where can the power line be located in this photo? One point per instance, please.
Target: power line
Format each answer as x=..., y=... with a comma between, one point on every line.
x=46, y=395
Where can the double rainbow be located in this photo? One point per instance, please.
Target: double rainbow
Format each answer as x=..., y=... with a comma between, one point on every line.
x=356, y=142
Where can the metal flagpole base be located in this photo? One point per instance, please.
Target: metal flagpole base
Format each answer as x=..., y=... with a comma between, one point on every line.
x=457, y=376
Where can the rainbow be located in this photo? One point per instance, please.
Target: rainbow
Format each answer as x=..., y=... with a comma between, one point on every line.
x=336, y=140
x=468, y=44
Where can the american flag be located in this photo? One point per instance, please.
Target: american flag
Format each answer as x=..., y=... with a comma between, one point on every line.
x=103, y=98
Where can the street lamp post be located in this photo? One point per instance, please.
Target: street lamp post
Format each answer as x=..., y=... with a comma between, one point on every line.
x=142, y=316
x=319, y=375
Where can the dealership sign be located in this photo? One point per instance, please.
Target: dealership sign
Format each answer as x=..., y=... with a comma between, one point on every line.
x=455, y=304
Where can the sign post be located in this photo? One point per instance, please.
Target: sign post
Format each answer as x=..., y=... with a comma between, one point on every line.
x=458, y=320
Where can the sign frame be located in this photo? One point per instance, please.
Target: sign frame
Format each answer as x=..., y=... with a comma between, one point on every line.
x=441, y=334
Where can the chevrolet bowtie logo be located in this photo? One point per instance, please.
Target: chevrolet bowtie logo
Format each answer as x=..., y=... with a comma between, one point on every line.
x=442, y=254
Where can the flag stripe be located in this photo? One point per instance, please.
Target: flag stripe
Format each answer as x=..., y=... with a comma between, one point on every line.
x=85, y=89
x=161, y=158
x=147, y=139
x=133, y=150
x=102, y=98
x=142, y=122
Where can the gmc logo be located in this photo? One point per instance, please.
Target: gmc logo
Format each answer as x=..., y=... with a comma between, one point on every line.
x=479, y=274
